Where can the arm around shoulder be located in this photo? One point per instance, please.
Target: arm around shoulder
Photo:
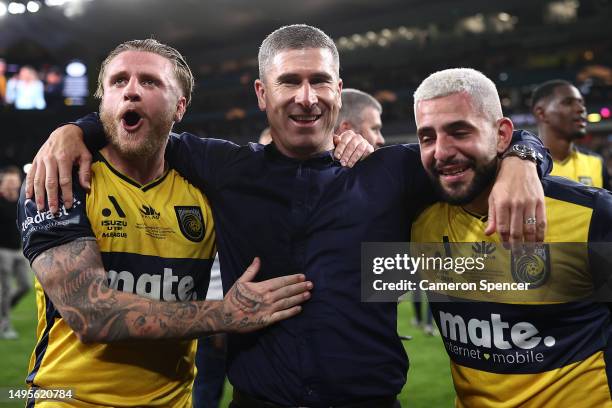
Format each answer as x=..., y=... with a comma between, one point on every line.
x=202, y=161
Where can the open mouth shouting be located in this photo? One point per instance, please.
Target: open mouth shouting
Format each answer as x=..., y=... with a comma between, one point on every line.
x=131, y=121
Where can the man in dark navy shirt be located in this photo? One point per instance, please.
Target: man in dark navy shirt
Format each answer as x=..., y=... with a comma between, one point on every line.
x=295, y=206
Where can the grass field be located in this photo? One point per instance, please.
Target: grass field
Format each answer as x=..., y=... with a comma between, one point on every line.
x=15, y=354
x=429, y=383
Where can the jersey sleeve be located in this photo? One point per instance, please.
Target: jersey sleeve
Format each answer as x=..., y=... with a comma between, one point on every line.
x=203, y=162
x=601, y=222
x=605, y=176
x=42, y=230
x=600, y=244
x=93, y=131
x=422, y=189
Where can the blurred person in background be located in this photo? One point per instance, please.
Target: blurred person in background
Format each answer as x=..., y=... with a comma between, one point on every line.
x=2, y=81
x=25, y=90
x=12, y=262
x=423, y=318
x=561, y=115
x=360, y=112
x=54, y=87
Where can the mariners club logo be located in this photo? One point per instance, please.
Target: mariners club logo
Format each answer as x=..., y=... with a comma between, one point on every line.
x=532, y=268
x=191, y=222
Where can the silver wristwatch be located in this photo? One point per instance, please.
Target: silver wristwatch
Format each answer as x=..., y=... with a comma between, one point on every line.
x=523, y=152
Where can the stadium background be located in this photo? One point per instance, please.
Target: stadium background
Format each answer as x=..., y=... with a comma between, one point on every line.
x=387, y=47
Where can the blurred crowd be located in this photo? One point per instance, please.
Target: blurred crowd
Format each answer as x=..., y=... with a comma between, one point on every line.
x=25, y=88
x=225, y=106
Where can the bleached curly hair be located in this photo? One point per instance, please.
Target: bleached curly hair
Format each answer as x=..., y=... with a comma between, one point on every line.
x=482, y=91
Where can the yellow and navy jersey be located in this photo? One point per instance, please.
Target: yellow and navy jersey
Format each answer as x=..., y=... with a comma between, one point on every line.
x=583, y=166
x=527, y=350
x=157, y=240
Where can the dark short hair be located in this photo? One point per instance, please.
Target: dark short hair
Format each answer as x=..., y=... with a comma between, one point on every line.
x=546, y=89
x=10, y=169
x=294, y=37
x=354, y=102
x=181, y=69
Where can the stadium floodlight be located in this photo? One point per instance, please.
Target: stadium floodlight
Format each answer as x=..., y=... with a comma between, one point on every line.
x=33, y=6
x=386, y=33
x=406, y=33
x=505, y=17
x=53, y=3
x=594, y=117
x=561, y=11
x=2, y=9
x=16, y=8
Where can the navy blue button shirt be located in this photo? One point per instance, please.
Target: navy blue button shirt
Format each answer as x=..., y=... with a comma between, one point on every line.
x=311, y=217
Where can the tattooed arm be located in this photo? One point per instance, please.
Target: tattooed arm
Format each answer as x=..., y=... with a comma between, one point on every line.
x=74, y=279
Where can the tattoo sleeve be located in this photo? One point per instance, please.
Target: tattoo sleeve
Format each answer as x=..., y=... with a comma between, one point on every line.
x=74, y=278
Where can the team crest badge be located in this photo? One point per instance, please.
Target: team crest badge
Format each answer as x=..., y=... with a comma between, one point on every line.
x=191, y=222
x=533, y=268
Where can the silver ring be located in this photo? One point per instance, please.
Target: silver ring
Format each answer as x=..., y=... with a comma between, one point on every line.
x=530, y=220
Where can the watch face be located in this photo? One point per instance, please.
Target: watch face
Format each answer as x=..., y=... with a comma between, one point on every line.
x=521, y=149
x=524, y=152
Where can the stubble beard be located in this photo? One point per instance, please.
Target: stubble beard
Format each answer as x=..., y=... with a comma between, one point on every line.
x=137, y=150
x=484, y=176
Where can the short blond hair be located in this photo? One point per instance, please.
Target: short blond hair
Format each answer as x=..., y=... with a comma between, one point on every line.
x=181, y=69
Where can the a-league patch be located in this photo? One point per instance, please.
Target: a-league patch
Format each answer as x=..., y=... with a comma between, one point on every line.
x=586, y=180
x=191, y=222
